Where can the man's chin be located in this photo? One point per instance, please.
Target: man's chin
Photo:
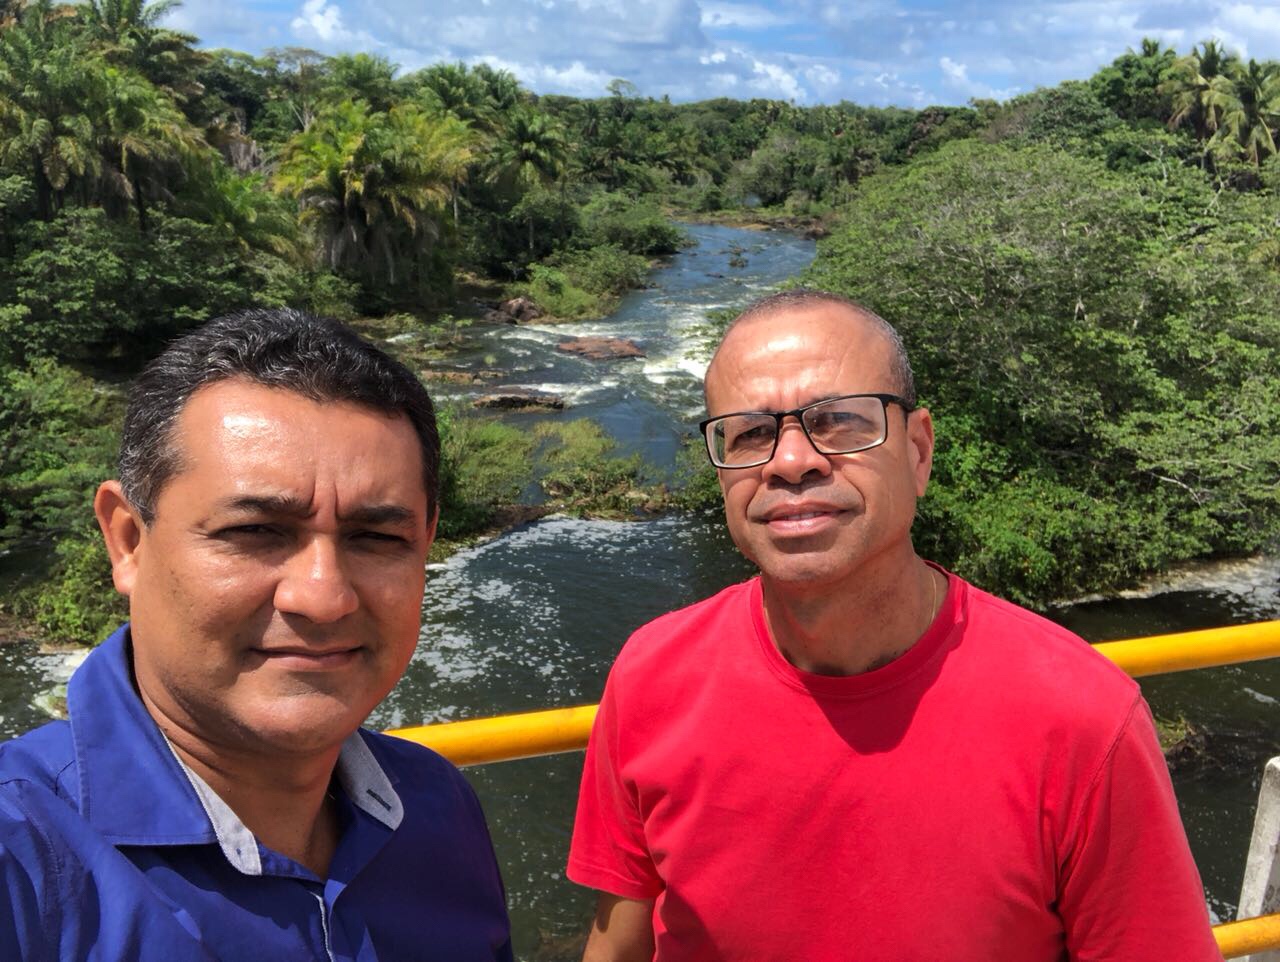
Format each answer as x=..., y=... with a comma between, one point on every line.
x=800, y=572
x=301, y=724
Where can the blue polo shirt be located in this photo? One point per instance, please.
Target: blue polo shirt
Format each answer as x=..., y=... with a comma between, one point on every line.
x=111, y=849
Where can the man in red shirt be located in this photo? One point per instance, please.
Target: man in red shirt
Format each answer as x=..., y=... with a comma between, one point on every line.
x=857, y=755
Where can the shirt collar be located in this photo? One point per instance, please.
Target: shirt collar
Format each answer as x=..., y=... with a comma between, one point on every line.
x=359, y=774
x=135, y=791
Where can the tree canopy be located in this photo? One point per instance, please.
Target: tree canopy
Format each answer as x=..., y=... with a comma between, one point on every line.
x=1100, y=348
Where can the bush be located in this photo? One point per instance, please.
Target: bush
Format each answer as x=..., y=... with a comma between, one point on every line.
x=78, y=603
x=83, y=286
x=86, y=282
x=1066, y=116
x=583, y=472
x=484, y=464
x=57, y=442
x=638, y=227
x=279, y=283
x=579, y=284
x=603, y=270
x=558, y=296
x=696, y=487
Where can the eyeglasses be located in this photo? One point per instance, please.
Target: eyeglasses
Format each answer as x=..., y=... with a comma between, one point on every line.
x=838, y=425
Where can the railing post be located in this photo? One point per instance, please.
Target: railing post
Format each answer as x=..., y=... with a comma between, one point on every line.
x=1260, y=893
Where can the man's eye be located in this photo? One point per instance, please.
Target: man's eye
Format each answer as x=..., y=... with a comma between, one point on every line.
x=380, y=537
x=760, y=434
x=836, y=420
x=250, y=531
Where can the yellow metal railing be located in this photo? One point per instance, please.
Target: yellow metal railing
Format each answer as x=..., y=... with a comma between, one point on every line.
x=533, y=733
x=1161, y=654
x=1248, y=936
x=507, y=737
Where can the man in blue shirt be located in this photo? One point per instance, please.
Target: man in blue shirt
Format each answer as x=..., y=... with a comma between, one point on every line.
x=212, y=795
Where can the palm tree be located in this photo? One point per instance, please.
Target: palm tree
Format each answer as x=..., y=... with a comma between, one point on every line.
x=590, y=118
x=144, y=140
x=362, y=76
x=128, y=33
x=501, y=88
x=47, y=84
x=372, y=186
x=452, y=87
x=531, y=152
x=260, y=219
x=1248, y=105
x=1193, y=83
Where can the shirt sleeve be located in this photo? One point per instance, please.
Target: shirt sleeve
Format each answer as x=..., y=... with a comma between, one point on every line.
x=609, y=851
x=1128, y=887
x=26, y=862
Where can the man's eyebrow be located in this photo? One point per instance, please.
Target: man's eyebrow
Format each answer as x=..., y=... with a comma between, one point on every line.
x=277, y=504
x=381, y=514
x=284, y=505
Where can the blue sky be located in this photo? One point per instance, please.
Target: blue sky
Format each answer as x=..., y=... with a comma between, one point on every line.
x=906, y=52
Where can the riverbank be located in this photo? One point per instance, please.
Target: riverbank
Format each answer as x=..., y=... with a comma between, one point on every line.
x=812, y=226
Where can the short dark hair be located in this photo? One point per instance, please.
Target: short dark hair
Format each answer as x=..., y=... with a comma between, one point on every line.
x=801, y=298
x=316, y=357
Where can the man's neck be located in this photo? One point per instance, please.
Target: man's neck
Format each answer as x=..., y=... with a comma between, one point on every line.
x=850, y=629
x=284, y=802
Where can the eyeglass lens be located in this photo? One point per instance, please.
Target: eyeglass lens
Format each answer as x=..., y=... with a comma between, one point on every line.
x=838, y=426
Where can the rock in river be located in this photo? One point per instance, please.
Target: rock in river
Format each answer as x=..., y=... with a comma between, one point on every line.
x=460, y=377
x=601, y=348
x=521, y=401
x=518, y=310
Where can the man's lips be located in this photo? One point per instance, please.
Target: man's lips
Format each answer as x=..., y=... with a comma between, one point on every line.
x=301, y=656
x=801, y=518
x=798, y=512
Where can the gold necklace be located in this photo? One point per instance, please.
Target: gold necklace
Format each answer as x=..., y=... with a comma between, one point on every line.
x=933, y=598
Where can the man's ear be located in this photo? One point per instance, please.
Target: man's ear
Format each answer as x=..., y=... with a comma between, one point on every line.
x=122, y=530
x=920, y=446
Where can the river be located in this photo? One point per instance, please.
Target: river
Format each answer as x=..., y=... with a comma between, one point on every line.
x=534, y=618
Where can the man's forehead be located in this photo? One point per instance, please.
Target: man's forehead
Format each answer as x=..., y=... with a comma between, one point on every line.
x=243, y=409
x=828, y=314
x=803, y=342
x=273, y=441
x=243, y=424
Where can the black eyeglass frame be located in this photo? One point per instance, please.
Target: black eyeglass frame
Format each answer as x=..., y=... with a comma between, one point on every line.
x=798, y=413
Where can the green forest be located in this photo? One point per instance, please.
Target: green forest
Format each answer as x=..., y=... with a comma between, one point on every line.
x=1086, y=276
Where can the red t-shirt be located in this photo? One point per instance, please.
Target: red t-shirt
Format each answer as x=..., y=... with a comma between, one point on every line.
x=996, y=794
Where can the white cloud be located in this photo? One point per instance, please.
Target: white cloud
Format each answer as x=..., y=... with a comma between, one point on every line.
x=958, y=72
x=1257, y=22
x=822, y=77
x=740, y=15
x=322, y=20
x=774, y=81
x=576, y=79
x=909, y=43
x=718, y=57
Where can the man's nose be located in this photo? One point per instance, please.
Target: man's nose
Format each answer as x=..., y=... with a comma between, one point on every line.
x=795, y=456
x=315, y=584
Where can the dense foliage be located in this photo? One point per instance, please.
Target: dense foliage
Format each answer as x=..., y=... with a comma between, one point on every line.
x=1102, y=350
x=1085, y=274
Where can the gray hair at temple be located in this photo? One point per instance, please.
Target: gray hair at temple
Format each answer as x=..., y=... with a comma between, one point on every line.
x=804, y=298
x=318, y=358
